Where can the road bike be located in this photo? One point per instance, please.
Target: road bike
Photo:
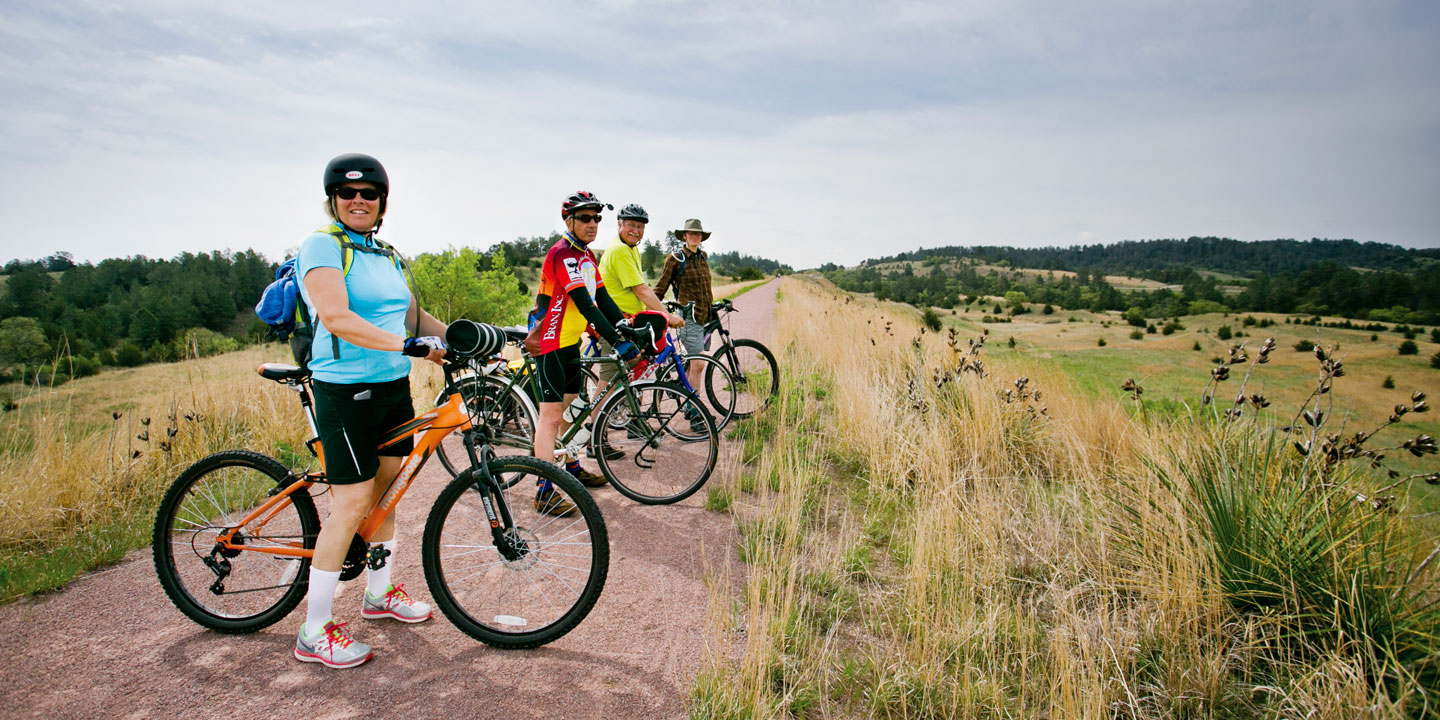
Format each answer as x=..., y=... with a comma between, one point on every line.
x=515, y=551
x=647, y=445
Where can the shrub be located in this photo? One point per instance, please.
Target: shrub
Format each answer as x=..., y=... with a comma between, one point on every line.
x=1409, y=348
x=1137, y=334
x=1050, y=310
x=930, y=319
x=1374, y=337
x=1151, y=329
x=1435, y=361
x=128, y=354
x=1435, y=335
x=1248, y=321
x=83, y=367
x=1101, y=342
x=1389, y=383
x=1171, y=327
x=1223, y=332
x=1011, y=342
x=1196, y=347
x=1300, y=555
x=1304, y=346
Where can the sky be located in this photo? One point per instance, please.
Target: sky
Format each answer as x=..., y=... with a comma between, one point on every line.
x=804, y=132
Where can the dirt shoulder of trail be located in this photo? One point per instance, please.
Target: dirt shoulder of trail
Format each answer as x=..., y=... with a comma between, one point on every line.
x=111, y=644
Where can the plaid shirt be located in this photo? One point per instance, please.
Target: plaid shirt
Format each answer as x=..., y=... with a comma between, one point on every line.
x=693, y=284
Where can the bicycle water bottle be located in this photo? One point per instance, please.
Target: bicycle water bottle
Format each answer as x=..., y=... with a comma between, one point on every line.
x=572, y=413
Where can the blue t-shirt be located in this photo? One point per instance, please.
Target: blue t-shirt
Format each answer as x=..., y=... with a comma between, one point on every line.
x=377, y=292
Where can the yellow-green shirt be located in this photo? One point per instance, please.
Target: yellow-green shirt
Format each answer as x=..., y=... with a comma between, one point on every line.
x=620, y=270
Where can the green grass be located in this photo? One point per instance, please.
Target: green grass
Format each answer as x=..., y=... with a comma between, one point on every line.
x=25, y=572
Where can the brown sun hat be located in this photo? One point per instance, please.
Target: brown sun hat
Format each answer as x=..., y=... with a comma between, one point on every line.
x=692, y=225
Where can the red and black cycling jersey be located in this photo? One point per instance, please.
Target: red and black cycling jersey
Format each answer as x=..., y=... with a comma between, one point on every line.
x=568, y=265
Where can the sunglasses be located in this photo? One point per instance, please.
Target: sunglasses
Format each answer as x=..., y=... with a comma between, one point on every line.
x=349, y=193
x=588, y=218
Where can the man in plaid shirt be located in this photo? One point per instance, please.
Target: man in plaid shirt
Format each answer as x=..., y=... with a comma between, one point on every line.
x=688, y=271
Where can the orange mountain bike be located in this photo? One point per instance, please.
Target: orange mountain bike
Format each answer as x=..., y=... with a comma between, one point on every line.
x=515, y=551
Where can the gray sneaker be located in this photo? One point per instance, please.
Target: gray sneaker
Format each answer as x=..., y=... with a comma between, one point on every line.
x=395, y=604
x=333, y=648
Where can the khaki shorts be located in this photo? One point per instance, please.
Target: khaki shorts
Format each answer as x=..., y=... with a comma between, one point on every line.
x=692, y=338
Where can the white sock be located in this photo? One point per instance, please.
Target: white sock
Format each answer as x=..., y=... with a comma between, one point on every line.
x=378, y=581
x=320, y=599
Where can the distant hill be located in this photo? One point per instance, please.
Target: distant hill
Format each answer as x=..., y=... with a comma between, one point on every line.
x=1150, y=258
x=1362, y=281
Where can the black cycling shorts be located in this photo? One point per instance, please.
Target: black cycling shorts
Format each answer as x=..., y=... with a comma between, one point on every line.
x=351, y=424
x=557, y=374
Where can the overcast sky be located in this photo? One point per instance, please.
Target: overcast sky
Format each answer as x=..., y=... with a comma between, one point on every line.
x=805, y=132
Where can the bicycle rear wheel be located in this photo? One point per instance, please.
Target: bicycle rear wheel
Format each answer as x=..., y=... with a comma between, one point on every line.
x=668, y=456
x=503, y=407
x=540, y=578
x=754, y=372
x=721, y=392
x=233, y=591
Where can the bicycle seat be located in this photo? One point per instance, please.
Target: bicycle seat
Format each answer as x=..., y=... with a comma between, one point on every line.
x=280, y=372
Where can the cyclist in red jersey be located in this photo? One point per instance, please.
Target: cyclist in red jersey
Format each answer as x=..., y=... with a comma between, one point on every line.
x=571, y=296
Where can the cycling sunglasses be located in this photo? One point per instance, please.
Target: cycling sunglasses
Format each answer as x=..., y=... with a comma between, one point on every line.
x=588, y=218
x=349, y=193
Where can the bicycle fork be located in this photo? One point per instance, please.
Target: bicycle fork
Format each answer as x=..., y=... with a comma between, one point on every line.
x=510, y=545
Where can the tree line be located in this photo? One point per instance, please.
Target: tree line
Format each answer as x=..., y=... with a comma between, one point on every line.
x=1151, y=258
x=127, y=311
x=1320, y=288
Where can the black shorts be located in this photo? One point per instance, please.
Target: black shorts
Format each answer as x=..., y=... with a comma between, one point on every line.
x=557, y=374
x=350, y=428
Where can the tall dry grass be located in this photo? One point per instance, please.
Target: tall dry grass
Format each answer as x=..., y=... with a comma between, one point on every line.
x=83, y=465
x=921, y=543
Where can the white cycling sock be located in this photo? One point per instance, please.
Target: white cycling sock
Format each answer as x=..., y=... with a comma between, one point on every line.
x=378, y=581
x=320, y=600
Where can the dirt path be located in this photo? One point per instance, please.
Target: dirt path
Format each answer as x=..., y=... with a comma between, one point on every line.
x=112, y=645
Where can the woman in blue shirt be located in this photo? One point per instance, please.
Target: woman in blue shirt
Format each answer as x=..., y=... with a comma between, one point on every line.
x=361, y=308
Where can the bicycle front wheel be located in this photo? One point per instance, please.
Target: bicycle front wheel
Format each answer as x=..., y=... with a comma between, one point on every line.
x=232, y=590
x=535, y=580
x=754, y=372
x=497, y=404
x=721, y=392
x=668, y=453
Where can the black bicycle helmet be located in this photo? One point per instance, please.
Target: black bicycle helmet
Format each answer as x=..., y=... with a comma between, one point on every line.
x=356, y=167
x=634, y=212
x=580, y=200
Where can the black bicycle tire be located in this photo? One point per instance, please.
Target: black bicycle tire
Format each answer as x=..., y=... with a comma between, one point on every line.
x=618, y=400
x=164, y=555
x=446, y=600
x=664, y=373
x=455, y=466
x=728, y=356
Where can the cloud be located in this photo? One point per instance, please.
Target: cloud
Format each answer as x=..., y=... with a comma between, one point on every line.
x=806, y=132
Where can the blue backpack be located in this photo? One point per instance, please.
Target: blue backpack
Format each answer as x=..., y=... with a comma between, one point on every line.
x=283, y=309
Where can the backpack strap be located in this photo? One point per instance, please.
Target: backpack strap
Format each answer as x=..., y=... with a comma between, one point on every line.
x=679, y=256
x=347, y=260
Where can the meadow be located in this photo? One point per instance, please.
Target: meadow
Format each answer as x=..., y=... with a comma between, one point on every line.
x=932, y=529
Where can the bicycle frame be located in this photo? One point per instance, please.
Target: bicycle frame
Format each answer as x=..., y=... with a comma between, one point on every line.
x=432, y=427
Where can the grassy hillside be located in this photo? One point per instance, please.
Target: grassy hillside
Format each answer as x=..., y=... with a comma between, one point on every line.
x=925, y=540
x=83, y=466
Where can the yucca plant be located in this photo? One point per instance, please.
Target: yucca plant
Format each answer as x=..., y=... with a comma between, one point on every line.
x=1333, y=574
